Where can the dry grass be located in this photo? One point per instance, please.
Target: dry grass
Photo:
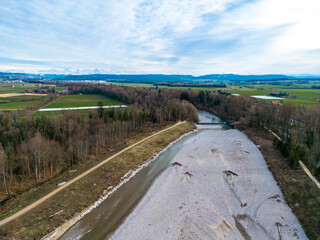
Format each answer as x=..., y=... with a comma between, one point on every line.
x=37, y=223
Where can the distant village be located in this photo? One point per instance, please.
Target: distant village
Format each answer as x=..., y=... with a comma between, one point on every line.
x=41, y=90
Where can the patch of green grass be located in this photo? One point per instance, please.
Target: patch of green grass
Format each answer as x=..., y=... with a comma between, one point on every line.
x=8, y=214
x=305, y=94
x=298, y=94
x=138, y=85
x=291, y=100
x=146, y=85
x=15, y=88
x=283, y=86
x=298, y=101
x=300, y=91
x=61, y=88
x=19, y=99
x=247, y=92
x=21, y=102
x=197, y=88
x=56, y=113
x=20, y=105
x=84, y=101
x=10, y=90
x=18, y=87
x=24, y=85
x=89, y=103
x=82, y=96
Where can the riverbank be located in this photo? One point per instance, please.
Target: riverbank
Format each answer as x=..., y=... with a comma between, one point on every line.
x=74, y=199
x=219, y=187
x=300, y=192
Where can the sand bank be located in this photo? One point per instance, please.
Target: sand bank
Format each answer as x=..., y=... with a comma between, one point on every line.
x=219, y=188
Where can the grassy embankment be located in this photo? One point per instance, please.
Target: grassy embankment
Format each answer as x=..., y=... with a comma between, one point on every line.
x=78, y=196
x=300, y=192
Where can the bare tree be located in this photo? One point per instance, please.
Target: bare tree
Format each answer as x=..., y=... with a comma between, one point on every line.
x=3, y=169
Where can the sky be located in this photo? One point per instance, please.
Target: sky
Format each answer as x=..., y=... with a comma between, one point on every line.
x=165, y=36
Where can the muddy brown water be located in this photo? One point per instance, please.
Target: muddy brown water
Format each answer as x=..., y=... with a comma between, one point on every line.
x=110, y=214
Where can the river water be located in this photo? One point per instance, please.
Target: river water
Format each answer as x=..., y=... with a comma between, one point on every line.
x=198, y=200
x=104, y=219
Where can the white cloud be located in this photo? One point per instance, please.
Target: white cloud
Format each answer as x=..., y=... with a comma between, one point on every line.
x=301, y=17
x=168, y=36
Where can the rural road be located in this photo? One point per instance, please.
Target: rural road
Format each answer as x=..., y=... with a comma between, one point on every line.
x=305, y=169
x=41, y=200
x=77, y=108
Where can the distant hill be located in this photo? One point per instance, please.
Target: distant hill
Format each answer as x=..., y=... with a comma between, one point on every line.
x=235, y=77
x=151, y=78
x=178, y=78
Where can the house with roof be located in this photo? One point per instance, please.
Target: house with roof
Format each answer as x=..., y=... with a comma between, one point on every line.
x=277, y=103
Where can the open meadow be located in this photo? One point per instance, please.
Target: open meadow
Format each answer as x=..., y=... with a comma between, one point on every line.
x=298, y=93
x=84, y=100
x=13, y=96
x=75, y=101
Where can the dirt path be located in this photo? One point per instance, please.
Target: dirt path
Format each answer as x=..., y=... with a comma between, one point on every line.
x=305, y=169
x=56, y=99
x=309, y=174
x=41, y=200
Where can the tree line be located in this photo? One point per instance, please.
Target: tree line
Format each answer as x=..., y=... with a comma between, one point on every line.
x=33, y=149
x=36, y=148
x=297, y=125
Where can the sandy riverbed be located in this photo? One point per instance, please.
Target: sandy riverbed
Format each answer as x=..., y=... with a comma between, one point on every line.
x=198, y=200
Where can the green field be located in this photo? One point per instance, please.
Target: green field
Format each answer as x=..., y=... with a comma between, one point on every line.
x=19, y=105
x=21, y=101
x=56, y=113
x=16, y=87
x=299, y=93
x=302, y=91
x=138, y=85
x=146, y=85
x=298, y=101
x=247, y=92
x=296, y=96
x=20, y=87
x=85, y=100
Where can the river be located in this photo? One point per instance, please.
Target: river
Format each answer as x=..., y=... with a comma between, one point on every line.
x=219, y=188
